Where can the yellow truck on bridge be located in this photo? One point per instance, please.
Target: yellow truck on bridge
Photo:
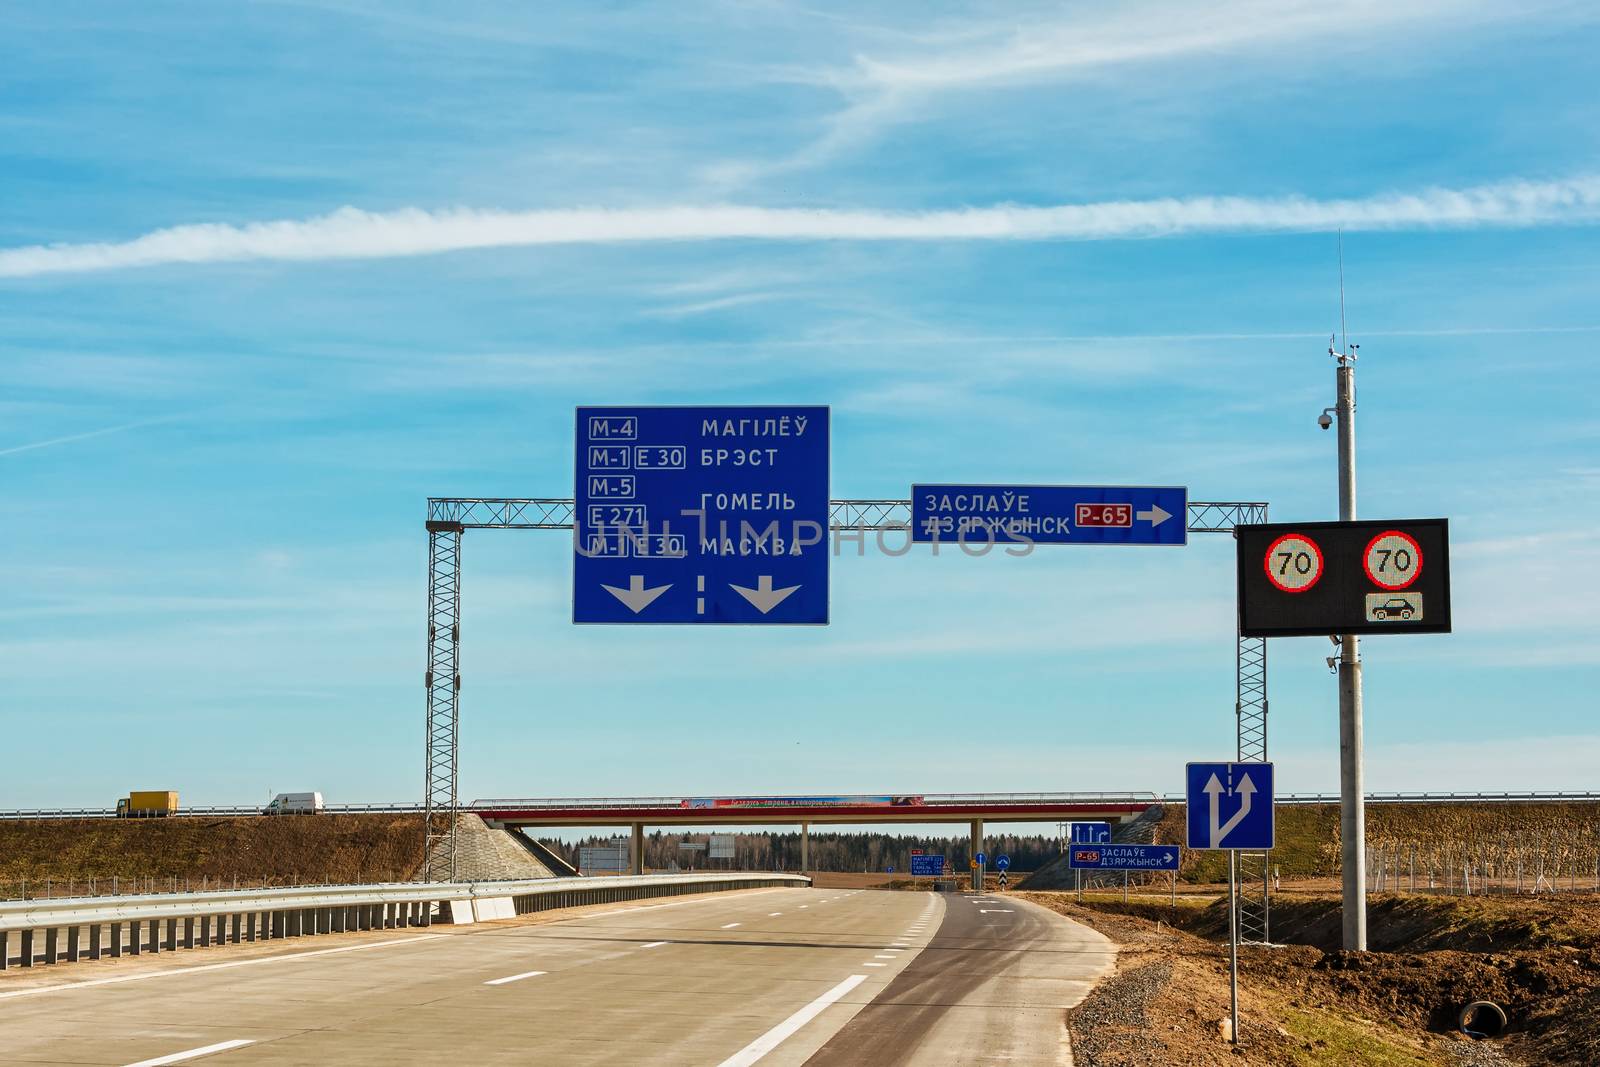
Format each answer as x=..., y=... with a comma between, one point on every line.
x=147, y=804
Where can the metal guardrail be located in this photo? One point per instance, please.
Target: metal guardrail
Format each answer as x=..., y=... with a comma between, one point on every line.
x=930, y=800
x=81, y=911
x=215, y=810
x=677, y=803
x=1430, y=798
x=152, y=923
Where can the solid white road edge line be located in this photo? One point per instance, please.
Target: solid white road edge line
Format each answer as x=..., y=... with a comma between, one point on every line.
x=786, y=1029
x=179, y=1057
x=515, y=977
x=118, y=979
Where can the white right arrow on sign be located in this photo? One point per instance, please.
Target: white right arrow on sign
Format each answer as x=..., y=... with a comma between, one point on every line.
x=1156, y=515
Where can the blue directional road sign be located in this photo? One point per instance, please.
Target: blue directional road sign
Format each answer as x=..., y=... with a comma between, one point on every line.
x=1123, y=857
x=701, y=515
x=1050, y=514
x=980, y=859
x=927, y=866
x=1089, y=833
x=1230, y=806
x=1002, y=863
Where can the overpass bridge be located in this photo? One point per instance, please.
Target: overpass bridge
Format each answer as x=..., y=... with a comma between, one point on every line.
x=972, y=809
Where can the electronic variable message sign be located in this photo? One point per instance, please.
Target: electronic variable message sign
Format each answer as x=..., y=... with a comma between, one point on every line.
x=1330, y=578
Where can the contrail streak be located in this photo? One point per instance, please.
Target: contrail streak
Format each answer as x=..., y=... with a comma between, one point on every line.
x=52, y=442
x=350, y=233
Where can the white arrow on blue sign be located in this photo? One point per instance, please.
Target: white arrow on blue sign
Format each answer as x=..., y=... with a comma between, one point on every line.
x=1002, y=863
x=1123, y=857
x=980, y=859
x=1229, y=806
x=1050, y=514
x=701, y=515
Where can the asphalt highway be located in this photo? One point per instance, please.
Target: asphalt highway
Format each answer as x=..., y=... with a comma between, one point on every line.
x=787, y=976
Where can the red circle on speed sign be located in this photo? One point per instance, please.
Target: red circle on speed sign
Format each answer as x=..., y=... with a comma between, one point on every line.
x=1393, y=560
x=1293, y=563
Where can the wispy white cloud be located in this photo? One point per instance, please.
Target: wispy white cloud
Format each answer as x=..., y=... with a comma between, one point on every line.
x=1142, y=41
x=350, y=233
x=86, y=435
x=704, y=307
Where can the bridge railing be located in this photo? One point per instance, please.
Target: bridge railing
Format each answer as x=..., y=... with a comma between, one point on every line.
x=688, y=803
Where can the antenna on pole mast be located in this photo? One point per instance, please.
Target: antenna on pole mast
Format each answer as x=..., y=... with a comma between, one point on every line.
x=1344, y=337
x=1348, y=356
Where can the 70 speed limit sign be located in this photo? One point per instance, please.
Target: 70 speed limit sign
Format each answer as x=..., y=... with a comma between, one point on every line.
x=1293, y=563
x=1393, y=559
x=1344, y=578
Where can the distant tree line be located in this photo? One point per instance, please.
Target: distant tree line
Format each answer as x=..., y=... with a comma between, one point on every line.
x=857, y=852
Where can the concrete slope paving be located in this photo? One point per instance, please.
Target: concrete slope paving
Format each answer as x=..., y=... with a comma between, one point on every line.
x=726, y=980
x=992, y=987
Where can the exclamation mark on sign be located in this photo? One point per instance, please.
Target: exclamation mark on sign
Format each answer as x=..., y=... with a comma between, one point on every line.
x=700, y=601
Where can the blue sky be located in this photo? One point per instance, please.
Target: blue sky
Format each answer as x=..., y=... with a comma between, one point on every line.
x=272, y=274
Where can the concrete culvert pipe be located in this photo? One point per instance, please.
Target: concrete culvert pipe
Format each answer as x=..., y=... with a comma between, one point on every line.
x=1482, y=1018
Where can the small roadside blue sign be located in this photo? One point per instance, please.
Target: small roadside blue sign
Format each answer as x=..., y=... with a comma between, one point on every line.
x=701, y=515
x=1229, y=806
x=1002, y=863
x=1050, y=514
x=927, y=866
x=1123, y=857
x=888, y=870
x=1088, y=833
x=980, y=859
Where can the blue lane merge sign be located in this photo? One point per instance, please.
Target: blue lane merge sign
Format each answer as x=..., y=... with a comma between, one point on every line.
x=927, y=866
x=1089, y=833
x=1229, y=806
x=1123, y=857
x=1050, y=514
x=701, y=515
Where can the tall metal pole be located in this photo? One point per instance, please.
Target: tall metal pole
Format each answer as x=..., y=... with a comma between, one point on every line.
x=1233, y=946
x=1352, y=805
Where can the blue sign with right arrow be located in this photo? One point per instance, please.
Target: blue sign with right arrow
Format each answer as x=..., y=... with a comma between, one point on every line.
x=1050, y=514
x=1230, y=806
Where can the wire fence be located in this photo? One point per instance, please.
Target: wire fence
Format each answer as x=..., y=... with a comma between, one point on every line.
x=1479, y=868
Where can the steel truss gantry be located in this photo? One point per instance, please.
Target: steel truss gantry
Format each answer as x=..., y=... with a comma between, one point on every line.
x=450, y=517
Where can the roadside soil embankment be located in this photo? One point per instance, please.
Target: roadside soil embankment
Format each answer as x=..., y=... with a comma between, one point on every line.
x=1311, y=1003
x=310, y=848
x=254, y=850
x=1308, y=840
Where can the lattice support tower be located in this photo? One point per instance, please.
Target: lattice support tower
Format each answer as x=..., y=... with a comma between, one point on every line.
x=1250, y=708
x=443, y=684
x=450, y=517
